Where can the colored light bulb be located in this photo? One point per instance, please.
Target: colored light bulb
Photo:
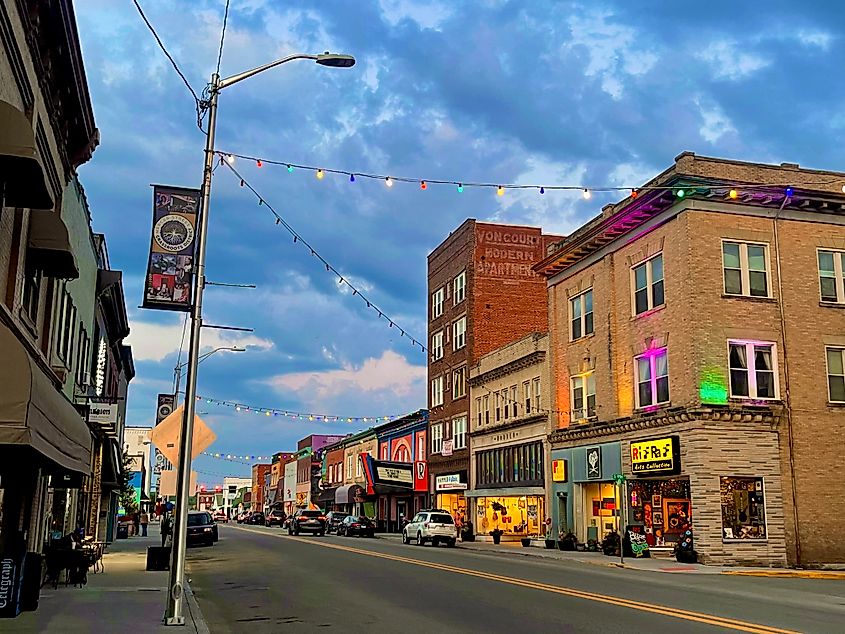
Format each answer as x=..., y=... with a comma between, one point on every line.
x=290, y=168
x=460, y=188
x=733, y=194
x=542, y=190
x=258, y=163
x=320, y=174
x=423, y=186
x=388, y=181
x=634, y=193
x=843, y=189
x=352, y=178
x=587, y=194
x=680, y=193
x=230, y=158
x=500, y=191
x=789, y=192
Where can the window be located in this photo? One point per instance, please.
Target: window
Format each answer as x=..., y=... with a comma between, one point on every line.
x=437, y=438
x=536, y=383
x=498, y=399
x=743, y=508
x=478, y=413
x=526, y=396
x=66, y=321
x=349, y=460
x=459, y=432
x=583, y=397
x=835, y=375
x=459, y=383
x=437, y=303
x=486, y=400
x=652, y=375
x=507, y=403
x=82, y=359
x=746, y=269
x=832, y=276
x=358, y=464
x=437, y=345
x=648, y=285
x=459, y=332
x=437, y=391
x=514, y=401
x=509, y=465
x=31, y=292
x=340, y=472
x=581, y=313
x=752, y=368
x=459, y=286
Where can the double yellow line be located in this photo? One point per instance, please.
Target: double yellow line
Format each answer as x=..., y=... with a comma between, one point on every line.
x=677, y=613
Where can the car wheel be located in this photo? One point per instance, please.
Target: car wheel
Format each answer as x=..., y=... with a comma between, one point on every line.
x=320, y=533
x=405, y=539
x=420, y=539
x=450, y=543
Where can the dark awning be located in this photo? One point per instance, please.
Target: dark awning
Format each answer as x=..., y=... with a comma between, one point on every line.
x=347, y=493
x=22, y=181
x=106, y=279
x=49, y=245
x=111, y=465
x=34, y=413
x=326, y=495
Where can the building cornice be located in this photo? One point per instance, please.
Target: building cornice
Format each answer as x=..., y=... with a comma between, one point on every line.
x=534, y=358
x=532, y=419
x=768, y=416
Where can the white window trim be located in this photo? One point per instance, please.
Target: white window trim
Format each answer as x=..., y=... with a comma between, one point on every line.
x=581, y=297
x=585, y=394
x=752, y=370
x=455, y=335
x=839, y=275
x=463, y=370
x=437, y=391
x=437, y=345
x=652, y=359
x=744, y=271
x=437, y=301
x=841, y=351
x=537, y=389
x=649, y=274
x=459, y=288
x=437, y=438
x=462, y=444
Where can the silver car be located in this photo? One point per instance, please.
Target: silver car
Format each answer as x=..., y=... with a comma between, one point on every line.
x=431, y=526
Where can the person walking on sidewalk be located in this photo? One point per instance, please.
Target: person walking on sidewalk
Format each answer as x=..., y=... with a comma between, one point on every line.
x=145, y=519
x=165, y=529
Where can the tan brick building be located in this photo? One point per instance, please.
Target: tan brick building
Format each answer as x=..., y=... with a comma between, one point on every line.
x=483, y=293
x=509, y=450
x=697, y=338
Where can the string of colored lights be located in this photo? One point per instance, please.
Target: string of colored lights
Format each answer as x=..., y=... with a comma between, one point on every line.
x=731, y=189
x=275, y=411
x=298, y=239
x=234, y=458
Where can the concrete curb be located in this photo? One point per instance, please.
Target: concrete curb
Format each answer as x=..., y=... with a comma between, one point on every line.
x=194, y=610
x=789, y=574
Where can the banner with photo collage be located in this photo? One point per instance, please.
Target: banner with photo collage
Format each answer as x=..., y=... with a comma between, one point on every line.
x=170, y=271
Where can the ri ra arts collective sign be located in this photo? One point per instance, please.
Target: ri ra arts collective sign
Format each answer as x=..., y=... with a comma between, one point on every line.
x=657, y=456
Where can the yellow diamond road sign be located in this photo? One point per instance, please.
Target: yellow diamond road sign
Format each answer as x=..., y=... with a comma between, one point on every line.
x=166, y=434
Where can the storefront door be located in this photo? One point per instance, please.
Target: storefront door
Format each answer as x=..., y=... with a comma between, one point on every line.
x=563, y=517
x=401, y=513
x=600, y=504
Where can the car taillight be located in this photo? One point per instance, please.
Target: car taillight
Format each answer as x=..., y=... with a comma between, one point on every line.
x=321, y=518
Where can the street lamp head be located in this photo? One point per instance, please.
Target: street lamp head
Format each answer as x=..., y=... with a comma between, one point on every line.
x=236, y=349
x=335, y=60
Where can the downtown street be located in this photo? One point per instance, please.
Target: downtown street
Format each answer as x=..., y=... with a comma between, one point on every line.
x=260, y=579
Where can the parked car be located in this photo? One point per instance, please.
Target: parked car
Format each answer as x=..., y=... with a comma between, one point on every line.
x=307, y=522
x=241, y=517
x=256, y=517
x=201, y=528
x=276, y=517
x=333, y=520
x=220, y=516
x=435, y=526
x=356, y=525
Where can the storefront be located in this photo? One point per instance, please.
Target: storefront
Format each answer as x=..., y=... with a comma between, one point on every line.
x=391, y=485
x=450, y=493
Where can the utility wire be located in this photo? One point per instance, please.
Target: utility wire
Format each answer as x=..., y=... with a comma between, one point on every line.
x=222, y=37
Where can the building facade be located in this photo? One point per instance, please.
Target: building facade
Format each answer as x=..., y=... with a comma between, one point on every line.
x=509, y=427
x=259, y=471
x=309, y=465
x=692, y=326
x=483, y=294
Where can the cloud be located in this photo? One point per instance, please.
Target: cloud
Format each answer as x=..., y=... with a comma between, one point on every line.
x=728, y=61
x=714, y=124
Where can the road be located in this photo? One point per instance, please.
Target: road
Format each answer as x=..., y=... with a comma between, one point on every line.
x=259, y=579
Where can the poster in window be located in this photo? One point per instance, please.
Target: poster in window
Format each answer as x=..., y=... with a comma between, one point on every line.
x=593, y=463
x=677, y=514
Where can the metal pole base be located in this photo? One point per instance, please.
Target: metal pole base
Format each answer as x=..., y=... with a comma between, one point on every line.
x=175, y=620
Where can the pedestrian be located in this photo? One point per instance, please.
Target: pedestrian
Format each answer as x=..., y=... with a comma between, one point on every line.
x=165, y=529
x=459, y=525
x=145, y=519
x=136, y=520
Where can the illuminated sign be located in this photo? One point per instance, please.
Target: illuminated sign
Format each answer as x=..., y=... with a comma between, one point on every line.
x=100, y=378
x=559, y=471
x=656, y=456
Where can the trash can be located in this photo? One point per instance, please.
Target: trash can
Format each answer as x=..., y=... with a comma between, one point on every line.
x=30, y=590
x=158, y=558
x=123, y=530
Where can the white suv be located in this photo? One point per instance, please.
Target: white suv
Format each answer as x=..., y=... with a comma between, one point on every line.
x=435, y=526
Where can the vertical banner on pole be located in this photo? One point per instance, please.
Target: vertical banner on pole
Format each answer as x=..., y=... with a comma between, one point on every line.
x=170, y=269
x=166, y=405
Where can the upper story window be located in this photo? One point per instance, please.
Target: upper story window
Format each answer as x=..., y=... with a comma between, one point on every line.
x=437, y=391
x=437, y=345
x=498, y=399
x=31, y=292
x=459, y=333
x=652, y=376
x=459, y=383
x=581, y=315
x=459, y=432
x=746, y=269
x=536, y=384
x=526, y=396
x=832, y=276
x=437, y=303
x=486, y=407
x=459, y=288
x=478, y=413
x=648, y=285
x=583, y=397
x=752, y=368
x=514, y=401
x=835, y=374
x=349, y=460
x=437, y=438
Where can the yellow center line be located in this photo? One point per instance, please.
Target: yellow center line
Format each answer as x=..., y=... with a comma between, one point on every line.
x=678, y=613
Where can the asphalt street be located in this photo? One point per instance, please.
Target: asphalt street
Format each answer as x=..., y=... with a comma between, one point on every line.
x=259, y=579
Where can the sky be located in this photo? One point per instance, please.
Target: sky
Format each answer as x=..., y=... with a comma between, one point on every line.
x=543, y=93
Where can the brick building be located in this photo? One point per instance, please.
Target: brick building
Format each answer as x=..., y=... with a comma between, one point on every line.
x=697, y=344
x=483, y=293
x=259, y=471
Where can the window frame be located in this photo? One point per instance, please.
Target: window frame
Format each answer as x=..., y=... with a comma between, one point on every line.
x=436, y=438
x=437, y=345
x=463, y=334
x=537, y=393
x=744, y=270
x=751, y=370
x=437, y=396
x=838, y=275
x=437, y=300
x=765, y=509
x=459, y=432
x=841, y=351
x=459, y=378
x=459, y=285
x=31, y=295
x=585, y=395
x=486, y=405
x=652, y=356
x=650, y=283
x=581, y=298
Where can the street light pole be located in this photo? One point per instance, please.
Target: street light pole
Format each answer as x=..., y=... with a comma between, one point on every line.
x=175, y=601
x=177, y=371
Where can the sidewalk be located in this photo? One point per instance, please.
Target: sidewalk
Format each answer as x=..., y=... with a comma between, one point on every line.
x=124, y=598
x=651, y=564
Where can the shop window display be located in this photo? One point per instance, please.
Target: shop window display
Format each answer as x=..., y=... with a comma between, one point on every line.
x=743, y=509
x=663, y=507
x=521, y=516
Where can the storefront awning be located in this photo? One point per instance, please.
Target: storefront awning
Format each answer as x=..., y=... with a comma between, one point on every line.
x=34, y=413
x=347, y=493
x=505, y=493
x=49, y=245
x=111, y=464
x=326, y=495
x=22, y=181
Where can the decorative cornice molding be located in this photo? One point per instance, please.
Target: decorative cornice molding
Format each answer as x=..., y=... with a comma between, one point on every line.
x=533, y=358
x=532, y=419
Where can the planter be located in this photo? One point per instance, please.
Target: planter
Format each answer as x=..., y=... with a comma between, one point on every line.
x=526, y=542
x=497, y=537
x=550, y=544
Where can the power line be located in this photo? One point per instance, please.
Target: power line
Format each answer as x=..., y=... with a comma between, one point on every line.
x=222, y=37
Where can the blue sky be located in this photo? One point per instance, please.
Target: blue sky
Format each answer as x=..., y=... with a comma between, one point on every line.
x=593, y=93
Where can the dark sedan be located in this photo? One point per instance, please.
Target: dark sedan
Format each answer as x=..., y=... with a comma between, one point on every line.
x=255, y=518
x=333, y=520
x=356, y=525
x=201, y=528
x=275, y=518
x=307, y=522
